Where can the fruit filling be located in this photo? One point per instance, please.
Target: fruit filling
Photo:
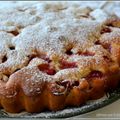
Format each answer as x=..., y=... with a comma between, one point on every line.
x=95, y=74
x=68, y=83
x=46, y=68
x=61, y=87
x=64, y=64
x=105, y=30
x=86, y=53
x=57, y=89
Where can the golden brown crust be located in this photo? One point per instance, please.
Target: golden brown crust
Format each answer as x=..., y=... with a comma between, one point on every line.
x=55, y=60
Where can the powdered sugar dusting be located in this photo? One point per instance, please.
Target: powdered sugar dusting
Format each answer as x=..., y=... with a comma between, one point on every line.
x=41, y=27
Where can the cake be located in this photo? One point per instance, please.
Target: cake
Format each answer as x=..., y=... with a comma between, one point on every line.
x=55, y=55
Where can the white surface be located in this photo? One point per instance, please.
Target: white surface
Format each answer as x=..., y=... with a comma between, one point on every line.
x=110, y=111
